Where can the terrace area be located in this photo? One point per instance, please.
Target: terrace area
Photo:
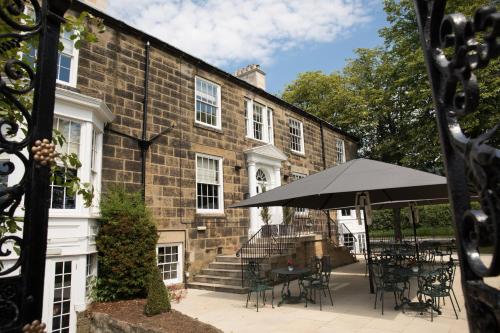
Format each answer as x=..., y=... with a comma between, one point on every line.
x=353, y=310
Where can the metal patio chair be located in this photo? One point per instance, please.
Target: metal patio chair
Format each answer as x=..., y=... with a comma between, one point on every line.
x=257, y=284
x=387, y=280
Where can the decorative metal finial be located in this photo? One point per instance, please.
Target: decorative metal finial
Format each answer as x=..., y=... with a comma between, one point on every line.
x=35, y=327
x=44, y=152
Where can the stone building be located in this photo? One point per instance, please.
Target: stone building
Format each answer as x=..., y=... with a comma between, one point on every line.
x=146, y=115
x=226, y=138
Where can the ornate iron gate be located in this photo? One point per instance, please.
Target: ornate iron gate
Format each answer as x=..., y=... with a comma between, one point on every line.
x=21, y=284
x=468, y=161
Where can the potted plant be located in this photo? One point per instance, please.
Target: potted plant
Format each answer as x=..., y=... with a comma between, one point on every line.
x=290, y=264
x=265, y=215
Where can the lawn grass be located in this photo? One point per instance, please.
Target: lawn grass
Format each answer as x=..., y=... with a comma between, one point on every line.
x=423, y=231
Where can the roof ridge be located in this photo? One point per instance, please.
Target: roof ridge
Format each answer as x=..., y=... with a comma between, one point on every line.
x=82, y=6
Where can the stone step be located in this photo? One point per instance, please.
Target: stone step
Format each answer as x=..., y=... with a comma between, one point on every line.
x=228, y=258
x=218, y=280
x=224, y=265
x=234, y=273
x=218, y=287
x=232, y=266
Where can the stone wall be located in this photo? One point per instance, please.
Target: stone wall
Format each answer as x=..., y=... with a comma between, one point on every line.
x=112, y=69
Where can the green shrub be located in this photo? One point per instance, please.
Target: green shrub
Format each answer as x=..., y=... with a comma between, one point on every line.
x=430, y=216
x=126, y=243
x=158, y=296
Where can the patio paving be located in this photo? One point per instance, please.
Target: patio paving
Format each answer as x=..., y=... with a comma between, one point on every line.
x=352, y=310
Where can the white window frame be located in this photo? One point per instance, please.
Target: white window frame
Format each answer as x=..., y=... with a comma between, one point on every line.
x=78, y=203
x=73, y=71
x=345, y=209
x=340, y=151
x=53, y=291
x=92, y=114
x=180, y=262
x=301, y=125
x=90, y=274
x=218, y=106
x=267, y=121
x=220, y=210
x=300, y=212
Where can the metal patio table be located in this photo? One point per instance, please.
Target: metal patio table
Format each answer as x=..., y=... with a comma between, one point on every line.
x=288, y=276
x=420, y=305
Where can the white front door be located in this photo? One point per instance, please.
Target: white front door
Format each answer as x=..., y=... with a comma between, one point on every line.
x=60, y=281
x=263, y=185
x=264, y=172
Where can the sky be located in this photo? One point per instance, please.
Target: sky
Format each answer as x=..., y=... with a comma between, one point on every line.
x=285, y=37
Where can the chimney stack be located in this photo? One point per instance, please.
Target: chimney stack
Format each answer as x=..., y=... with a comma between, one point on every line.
x=253, y=75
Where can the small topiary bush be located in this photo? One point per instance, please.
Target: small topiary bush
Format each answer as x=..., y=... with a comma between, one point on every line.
x=158, y=296
x=126, y=243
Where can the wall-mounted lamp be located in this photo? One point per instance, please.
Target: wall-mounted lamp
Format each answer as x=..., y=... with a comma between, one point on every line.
x=237, y=168
x=246, y=195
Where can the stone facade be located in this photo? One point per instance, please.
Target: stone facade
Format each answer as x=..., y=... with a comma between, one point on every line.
x=112, y=69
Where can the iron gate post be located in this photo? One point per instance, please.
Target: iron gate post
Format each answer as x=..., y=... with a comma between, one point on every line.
x=21, y=296
x=467, y=160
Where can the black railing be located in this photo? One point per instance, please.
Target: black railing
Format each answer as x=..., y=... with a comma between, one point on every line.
x=278, y=239
x=343, y=230
x=272, y=239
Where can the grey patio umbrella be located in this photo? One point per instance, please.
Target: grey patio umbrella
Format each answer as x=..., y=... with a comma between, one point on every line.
x=387, y=185
x=336, y=187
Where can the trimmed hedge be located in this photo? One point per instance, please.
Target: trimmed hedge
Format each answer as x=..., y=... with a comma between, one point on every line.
x=158, y=296
x=126, y=243
x=430, y=216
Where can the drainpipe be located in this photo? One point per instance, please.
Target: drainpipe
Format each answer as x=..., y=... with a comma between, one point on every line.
x=322, y=145
x=143, y=143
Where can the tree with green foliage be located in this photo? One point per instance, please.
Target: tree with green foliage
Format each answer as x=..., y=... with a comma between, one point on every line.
x=126, y=245
x=383, y=95
x=158, y=300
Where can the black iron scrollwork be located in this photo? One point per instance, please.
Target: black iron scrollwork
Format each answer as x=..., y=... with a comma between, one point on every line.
x=455, y=47
x=16, y=82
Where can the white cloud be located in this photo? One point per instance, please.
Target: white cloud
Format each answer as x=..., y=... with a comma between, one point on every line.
x=225, y=32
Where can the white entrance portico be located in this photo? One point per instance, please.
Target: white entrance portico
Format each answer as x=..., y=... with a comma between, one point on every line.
x=264, y=172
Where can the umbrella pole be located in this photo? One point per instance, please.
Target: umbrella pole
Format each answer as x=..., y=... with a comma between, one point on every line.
x=369, y=252
x=328, y=223
x=413, y=217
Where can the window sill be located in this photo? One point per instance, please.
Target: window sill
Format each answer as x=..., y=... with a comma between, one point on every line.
x=72, y=214
x=207, y=127
x=259, y=141
x=298, y=153
x=210, y=214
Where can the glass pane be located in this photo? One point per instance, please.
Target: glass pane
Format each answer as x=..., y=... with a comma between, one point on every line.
x=66, y=307
x=64, y=127
x=58, y=281
x=67, y=293
x=74, y=148
x=67, y=267
x=70, y=201
x=63, y=74
x=65, y=61
x=65, y=320
x=75, y=132
x=57, y=197
x=67, y=280
x=56, y=322
x=59, y=267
